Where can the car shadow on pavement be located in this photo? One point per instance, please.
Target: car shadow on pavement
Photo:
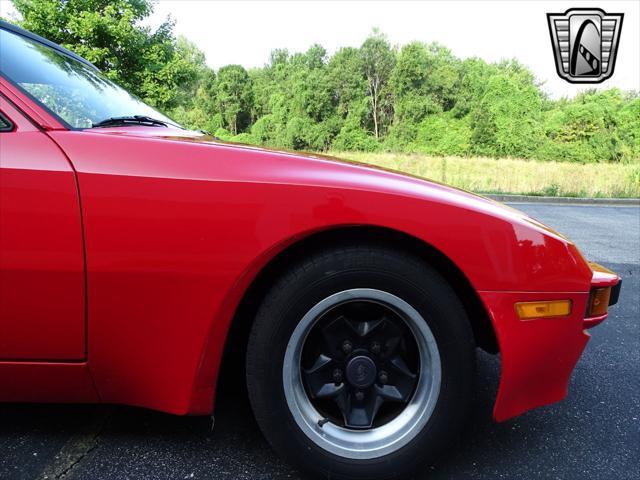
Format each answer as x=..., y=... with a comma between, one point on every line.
x=86, y=442
x=93, y=442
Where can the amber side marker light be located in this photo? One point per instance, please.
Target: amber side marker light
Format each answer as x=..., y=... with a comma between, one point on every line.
x=551, y=308
x=599, y=301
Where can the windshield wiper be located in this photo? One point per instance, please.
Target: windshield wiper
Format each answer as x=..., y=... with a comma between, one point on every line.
x=130, y=120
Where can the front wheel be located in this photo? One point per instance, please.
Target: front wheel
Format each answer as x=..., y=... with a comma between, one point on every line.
x=360, y=364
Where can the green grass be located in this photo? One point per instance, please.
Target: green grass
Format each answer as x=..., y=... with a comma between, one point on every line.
x=514, y=176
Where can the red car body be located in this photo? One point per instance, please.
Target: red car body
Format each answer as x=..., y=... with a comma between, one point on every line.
x=126, y=252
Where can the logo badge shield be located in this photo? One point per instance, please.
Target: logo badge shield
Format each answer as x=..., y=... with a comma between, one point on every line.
x=585, y=43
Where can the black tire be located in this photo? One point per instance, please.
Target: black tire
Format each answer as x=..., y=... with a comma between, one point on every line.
x=334, y=270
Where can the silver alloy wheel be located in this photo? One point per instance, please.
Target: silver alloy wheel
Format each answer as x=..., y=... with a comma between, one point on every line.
x=376, y=441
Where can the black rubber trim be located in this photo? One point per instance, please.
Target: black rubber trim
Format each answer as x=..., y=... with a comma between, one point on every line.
x=6, y=125
x=615, y=293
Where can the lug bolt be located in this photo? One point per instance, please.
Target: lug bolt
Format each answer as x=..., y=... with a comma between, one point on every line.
x=347, y=347
x=359, y=396
x=337, y=376
x=383, y=377
x=376, y=348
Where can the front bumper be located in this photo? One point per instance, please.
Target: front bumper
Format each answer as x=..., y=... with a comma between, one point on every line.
x=538, y=356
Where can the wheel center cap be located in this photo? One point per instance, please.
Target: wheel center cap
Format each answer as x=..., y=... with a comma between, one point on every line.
x=361, y=371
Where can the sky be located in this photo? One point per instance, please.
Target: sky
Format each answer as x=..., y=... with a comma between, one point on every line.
x=244, y=32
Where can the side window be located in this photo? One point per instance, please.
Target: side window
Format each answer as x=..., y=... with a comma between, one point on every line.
x=5, y=124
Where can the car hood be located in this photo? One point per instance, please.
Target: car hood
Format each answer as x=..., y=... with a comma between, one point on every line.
x=352, y=174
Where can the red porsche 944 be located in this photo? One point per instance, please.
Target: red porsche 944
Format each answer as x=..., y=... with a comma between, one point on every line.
x=137, y=258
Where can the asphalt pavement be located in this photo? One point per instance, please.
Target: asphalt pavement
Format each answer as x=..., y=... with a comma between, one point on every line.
x=594, y=433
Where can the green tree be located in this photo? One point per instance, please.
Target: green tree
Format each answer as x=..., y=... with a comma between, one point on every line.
x=594, y=126
x=418, y=99
x=234, y=97
x=507, y=120
x=423, y=83
x=349, y=88
x=473, y=77
x=346, y=81
x=378, y=59
x=629, y=127
x=110, y=34
x=443, y=134
x=201, y=112
x=409, y=82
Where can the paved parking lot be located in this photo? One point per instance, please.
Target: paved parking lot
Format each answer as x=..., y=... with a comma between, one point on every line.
x=594, y=433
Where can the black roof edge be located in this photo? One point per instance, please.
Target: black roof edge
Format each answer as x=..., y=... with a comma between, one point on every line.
x=37, y=38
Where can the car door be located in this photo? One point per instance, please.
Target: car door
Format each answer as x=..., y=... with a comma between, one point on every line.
x=42, y=277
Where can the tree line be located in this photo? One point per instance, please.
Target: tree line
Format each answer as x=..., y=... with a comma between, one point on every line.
x=415, y=98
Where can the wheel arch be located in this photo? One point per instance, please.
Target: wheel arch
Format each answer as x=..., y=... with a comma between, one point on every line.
x=237, y=337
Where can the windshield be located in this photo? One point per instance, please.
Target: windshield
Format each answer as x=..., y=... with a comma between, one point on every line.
x=77, y=93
